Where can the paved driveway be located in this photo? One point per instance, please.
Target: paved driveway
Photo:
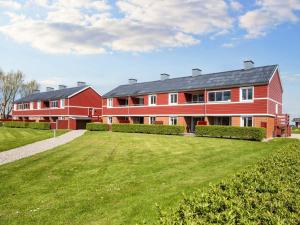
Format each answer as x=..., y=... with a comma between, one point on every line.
x=37, y=147
x=295, y=136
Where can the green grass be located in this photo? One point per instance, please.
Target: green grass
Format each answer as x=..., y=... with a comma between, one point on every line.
x=296, y=131
x=16, y=137
x=117, y=178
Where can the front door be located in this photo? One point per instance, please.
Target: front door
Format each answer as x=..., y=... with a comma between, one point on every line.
x=194, y=122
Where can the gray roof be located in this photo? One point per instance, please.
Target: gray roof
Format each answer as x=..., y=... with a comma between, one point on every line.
x=296, y=120
x=51, y=95
x=243, y=77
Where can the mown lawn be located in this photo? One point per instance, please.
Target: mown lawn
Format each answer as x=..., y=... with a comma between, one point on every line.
x=16, y=137
x=117, y=178
x=296, y=131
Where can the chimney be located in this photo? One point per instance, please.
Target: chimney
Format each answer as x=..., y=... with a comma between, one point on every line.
x=164, y=76
x=80, y=84
x=132, y=81
x=196, y=72
x=49, y=89
x=36, y=91
x=61, y=86
x=248, y=64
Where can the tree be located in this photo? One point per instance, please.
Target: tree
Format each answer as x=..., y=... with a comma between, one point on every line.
x=28, y=88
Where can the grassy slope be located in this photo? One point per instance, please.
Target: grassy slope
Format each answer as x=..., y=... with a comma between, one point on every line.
x=116, y=178
x=15, y=137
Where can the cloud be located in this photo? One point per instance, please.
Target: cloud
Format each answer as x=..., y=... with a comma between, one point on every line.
x=10, y=4
x=228, y=45
x=235, y=5
x=269, y=14
x=291, y=77
x=91, y=27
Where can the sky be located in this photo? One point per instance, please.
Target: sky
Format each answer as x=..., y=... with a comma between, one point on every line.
x=106, y=42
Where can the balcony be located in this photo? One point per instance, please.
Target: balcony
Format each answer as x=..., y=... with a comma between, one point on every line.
x=194, y=98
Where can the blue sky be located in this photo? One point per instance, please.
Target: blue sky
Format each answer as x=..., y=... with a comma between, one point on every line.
x=106, y=42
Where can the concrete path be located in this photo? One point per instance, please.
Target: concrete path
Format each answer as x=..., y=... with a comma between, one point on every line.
x=295, y=136
x=37, y=147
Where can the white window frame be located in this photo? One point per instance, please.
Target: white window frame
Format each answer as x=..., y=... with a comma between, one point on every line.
x=151, y=117
x=241, y=94
x=244, y=117
x=15, y=107
x=149, y=99
x=276, y=108
x=171, y=120
x=62, y=103
x=39, y=103
x=170, y=99
x=110, y=120
x=222, y=96
x=110, y=102
x=51, y=104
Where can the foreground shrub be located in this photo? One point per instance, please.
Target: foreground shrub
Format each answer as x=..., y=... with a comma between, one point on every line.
x=97, y=127
x=1, y=124
x=39, y=125
x=268, y=193
x=148, y=129
x=16, y=124
x=246, y=133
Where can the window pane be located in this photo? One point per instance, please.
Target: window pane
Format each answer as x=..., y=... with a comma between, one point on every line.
x=211, y=96
x=227, y=95
x=244, y=94
x=250, y=94
x=249, y=121
x=219, y=96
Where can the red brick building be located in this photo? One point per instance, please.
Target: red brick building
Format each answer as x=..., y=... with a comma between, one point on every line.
x=69, y=108
x=251, y=96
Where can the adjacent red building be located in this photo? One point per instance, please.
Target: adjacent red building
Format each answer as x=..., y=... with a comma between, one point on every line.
x=251, y=96
x=69, y=108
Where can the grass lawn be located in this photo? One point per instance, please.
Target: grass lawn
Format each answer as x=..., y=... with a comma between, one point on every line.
x=117, y=178
x=16, y=137
x=296, y=131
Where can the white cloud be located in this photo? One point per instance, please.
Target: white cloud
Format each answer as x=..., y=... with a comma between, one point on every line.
x=269, y=14
x=235, y=5
x=89, y=27
x=228, y=45
x=291, y=77
x=10, y=4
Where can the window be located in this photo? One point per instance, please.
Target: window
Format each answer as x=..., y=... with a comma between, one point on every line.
x=53, y=104
x=247, y=94
x=39, y=105
x=31, y=105
x=152, y=99
x=198, y=98
x=26, y=106
x=173, y=98
x=110, y=102
x=62, y=103
x=173, y=120
x=20, y=106
x=247, y=121
x=219, y=96
x=152, y=119
x=110, y=120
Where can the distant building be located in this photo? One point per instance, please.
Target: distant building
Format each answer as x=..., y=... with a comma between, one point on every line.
x=71, y=107
x=251, y=96
x=297, y=122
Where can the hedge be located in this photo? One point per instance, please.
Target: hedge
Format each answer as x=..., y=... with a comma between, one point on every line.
x=266, y=193
x=97, y=127
x=23, y=124
x=246, y=133
x=39, y=126
x=148, y=129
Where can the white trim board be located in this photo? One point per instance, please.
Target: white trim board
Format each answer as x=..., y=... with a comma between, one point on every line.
x=167, y=115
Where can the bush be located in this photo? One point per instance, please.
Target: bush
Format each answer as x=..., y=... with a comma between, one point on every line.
x=97, y=127
x=1, y=124
x=39, y=125
x=148, y=129
x=23, y=124
x=266, y=193
x=246, y=133
x=16, y=124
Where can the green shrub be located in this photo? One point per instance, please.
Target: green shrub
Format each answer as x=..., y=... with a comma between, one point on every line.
x=97, y=127
x=1, y=124
x=16, y=124
x=39, y=125
x=148, y=129
x=22, y=124
x=247, y=133
x=265, y=193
